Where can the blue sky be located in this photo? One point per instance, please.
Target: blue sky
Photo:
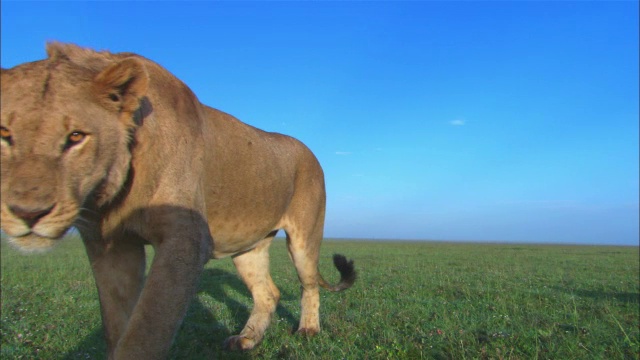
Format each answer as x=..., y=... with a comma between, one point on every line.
x=479, y=121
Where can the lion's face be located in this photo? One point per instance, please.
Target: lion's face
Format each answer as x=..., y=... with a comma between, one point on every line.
x=65, y=133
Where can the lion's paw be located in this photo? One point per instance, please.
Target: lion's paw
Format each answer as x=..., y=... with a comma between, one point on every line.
x=239, y=342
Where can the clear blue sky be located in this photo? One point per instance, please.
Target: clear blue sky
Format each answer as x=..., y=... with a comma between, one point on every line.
x=483, y=121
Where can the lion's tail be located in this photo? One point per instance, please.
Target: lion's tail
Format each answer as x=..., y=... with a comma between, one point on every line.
x=347, y=271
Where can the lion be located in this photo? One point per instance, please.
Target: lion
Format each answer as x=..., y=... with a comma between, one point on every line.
x=116, y=146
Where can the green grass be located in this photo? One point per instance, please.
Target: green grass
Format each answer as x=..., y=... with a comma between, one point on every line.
x=411, y=301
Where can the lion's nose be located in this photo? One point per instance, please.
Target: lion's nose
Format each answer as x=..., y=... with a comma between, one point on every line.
x=30, y=216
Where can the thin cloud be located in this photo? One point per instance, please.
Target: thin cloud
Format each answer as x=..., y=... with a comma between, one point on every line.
x=457, y=122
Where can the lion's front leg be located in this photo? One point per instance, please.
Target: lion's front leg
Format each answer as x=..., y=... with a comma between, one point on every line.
x=119, y=273
x=167, y=293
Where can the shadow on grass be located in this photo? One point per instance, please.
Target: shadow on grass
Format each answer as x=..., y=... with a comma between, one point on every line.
x=625, y=297
x=92, y=347
x=200, y=335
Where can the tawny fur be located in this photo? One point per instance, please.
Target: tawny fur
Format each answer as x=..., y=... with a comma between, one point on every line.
x=149, y=164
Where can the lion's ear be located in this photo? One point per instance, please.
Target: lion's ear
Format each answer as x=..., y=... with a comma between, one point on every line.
x=122, y=85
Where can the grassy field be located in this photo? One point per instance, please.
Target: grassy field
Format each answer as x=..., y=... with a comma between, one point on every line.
x=412, y=301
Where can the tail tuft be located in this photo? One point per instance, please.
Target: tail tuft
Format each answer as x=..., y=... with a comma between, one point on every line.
x=347, y=271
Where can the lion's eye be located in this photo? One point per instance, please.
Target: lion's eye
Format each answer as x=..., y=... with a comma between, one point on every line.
x=5, y=134
x=74, y=138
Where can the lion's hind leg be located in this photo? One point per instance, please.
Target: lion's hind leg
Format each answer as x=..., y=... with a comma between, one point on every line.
x=304, y=251
x=253, y=267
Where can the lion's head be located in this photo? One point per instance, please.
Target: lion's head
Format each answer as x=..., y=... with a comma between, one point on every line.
x=66, y=127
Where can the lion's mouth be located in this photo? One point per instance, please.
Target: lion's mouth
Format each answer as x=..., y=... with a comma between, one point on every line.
x=39, y=238
x=21, y=230
x=34, y=231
